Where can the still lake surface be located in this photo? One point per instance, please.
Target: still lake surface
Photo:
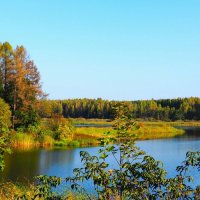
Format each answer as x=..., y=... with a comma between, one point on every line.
x=24, y=165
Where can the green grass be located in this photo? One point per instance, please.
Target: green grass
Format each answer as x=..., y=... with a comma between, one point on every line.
x=176, y=123
x=185, y=123
x=109, y=122
x=94, y=132
x=91, y=121
x=66, y=143
x=87, y=136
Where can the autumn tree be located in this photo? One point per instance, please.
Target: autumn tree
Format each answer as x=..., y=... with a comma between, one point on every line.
x=27, y=88
x=20, y=83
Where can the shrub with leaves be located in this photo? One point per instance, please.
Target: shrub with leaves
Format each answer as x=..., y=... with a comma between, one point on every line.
x=43, y=189
x=62, y=128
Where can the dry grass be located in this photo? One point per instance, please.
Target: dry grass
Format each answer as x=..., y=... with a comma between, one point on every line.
x=91, y=121
x=23, y=140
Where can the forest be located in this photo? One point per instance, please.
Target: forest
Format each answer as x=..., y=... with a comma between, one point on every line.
x=163, y=109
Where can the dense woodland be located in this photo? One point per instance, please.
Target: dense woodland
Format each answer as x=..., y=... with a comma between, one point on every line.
x=163, y=109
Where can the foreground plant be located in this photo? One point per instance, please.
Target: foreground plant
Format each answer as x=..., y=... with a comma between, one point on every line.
x=136, y=175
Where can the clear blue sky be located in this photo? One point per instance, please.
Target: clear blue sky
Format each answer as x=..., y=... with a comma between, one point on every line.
x=113, y=49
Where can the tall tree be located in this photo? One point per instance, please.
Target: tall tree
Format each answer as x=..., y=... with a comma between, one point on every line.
x=6, y=70
x=20, y=83
x=27, y=88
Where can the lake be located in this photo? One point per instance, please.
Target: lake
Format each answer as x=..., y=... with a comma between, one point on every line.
x=24, y=165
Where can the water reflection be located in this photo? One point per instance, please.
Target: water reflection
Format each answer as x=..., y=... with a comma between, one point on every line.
x=21, y=166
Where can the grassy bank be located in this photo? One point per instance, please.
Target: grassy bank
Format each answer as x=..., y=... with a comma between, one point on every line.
x=87, y=136
x=109, y=122
x=157, y=130
x=91, y=121
x=176, y=123
x=146, y=131
x=186, y=123
x=28, y=141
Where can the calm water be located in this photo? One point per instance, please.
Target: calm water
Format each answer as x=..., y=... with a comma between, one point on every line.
x=24, y=165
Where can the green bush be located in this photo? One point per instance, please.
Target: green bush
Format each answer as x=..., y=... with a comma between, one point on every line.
x=61, y=143
x=74, y=143
x=61, y=127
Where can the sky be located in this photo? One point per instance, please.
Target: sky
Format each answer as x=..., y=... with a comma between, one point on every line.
x=110, y=49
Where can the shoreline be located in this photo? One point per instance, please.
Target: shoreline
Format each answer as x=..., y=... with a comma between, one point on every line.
x=87, y=136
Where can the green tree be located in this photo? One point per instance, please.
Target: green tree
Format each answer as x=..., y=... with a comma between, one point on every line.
x=5, y=117
x=6, y=72
x=5, y=123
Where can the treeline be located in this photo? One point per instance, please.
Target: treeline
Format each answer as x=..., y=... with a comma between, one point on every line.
x=163, y=109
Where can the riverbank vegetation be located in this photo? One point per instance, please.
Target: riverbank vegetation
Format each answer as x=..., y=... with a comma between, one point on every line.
x=145, y=131
x=60, y=132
